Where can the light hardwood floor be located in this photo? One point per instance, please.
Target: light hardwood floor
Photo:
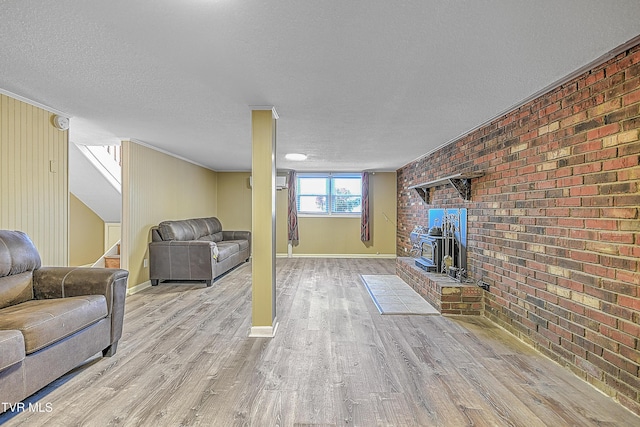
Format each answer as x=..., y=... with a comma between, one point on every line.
x=185, y=359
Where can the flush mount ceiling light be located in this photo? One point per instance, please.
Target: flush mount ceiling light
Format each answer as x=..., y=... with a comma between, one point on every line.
x=297, y=157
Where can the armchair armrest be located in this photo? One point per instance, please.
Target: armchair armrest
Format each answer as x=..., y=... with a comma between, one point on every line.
x=62, y=282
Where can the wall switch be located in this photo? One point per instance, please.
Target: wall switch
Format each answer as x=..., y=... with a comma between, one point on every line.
x=145, y=263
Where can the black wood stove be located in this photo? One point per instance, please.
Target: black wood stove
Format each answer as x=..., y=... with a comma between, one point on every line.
x=441, y=247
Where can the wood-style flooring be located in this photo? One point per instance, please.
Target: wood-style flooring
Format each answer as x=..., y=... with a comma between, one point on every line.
x=186, y=359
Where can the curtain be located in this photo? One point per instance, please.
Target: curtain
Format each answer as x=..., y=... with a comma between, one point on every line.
x=292, y=214
x=365, y=231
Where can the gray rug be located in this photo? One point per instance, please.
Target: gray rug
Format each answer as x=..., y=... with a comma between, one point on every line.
x=392, y=295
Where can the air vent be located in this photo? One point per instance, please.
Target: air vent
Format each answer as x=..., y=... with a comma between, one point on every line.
x=281, y=182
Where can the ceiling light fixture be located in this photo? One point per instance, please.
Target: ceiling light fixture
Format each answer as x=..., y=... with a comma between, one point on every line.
x=296, y=157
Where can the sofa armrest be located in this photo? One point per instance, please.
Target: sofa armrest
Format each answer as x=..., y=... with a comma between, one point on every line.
x=178, y=246
x=182, y=259
x=236, y=235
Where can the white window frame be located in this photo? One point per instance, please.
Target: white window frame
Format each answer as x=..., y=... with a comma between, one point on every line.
x=330, y=176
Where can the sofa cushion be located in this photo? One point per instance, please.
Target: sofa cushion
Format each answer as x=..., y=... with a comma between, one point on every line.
x=43, y=322
x=190, y=229
x=213, y=225
x=227, y=249
x=200, y=227
x=16, y=289
x=215, y=237
x=11, y=348
x=176, y=230
x=242, y=244
x=17, y=253
x=18, y=259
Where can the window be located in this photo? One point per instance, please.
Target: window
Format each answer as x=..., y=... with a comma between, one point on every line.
x=329, y=194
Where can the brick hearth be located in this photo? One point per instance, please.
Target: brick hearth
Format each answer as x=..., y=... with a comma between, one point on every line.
x=447, y=295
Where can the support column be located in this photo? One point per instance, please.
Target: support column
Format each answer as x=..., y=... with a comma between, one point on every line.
x=263, y=222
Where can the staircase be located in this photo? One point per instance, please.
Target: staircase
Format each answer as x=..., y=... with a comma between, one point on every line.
x=94, y=178
x=110, y=259
x=113, y=261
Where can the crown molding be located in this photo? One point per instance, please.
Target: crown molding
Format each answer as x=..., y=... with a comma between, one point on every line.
x=34, y=103
x=168, y=153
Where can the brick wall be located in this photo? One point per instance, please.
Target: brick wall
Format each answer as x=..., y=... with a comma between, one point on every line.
x=553, y=224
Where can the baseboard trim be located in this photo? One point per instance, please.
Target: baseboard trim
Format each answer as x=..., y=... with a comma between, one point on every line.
x=137, y=288
x=264, y=331
x=385, y=256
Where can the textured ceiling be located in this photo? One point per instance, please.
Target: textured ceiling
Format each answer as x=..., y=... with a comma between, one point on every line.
x=369, y=84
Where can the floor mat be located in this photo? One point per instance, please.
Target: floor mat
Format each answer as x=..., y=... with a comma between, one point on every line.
x=392, y=295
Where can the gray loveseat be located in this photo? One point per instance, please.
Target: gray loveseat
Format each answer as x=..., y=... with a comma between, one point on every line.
x=52, y=318
x=195, y=249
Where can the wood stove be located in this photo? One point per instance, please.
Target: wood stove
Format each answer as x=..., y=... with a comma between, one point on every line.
x=441, y=247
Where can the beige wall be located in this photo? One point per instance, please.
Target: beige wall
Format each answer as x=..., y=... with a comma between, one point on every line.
x=34, y=178
x=341, y=236
x=86, y=233
x=34, y=196
x=158, y=187
x=234, y=200
x=318, y=235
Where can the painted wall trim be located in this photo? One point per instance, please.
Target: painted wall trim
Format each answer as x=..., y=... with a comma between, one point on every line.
x=140, y=287
x=353, y=256
x=264, y=331
x=168, y=153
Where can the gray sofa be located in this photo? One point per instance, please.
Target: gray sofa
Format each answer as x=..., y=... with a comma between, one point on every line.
x=52, y=318
x=195, y=249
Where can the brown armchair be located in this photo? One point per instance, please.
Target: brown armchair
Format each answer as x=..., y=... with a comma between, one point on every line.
x=52, y=318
